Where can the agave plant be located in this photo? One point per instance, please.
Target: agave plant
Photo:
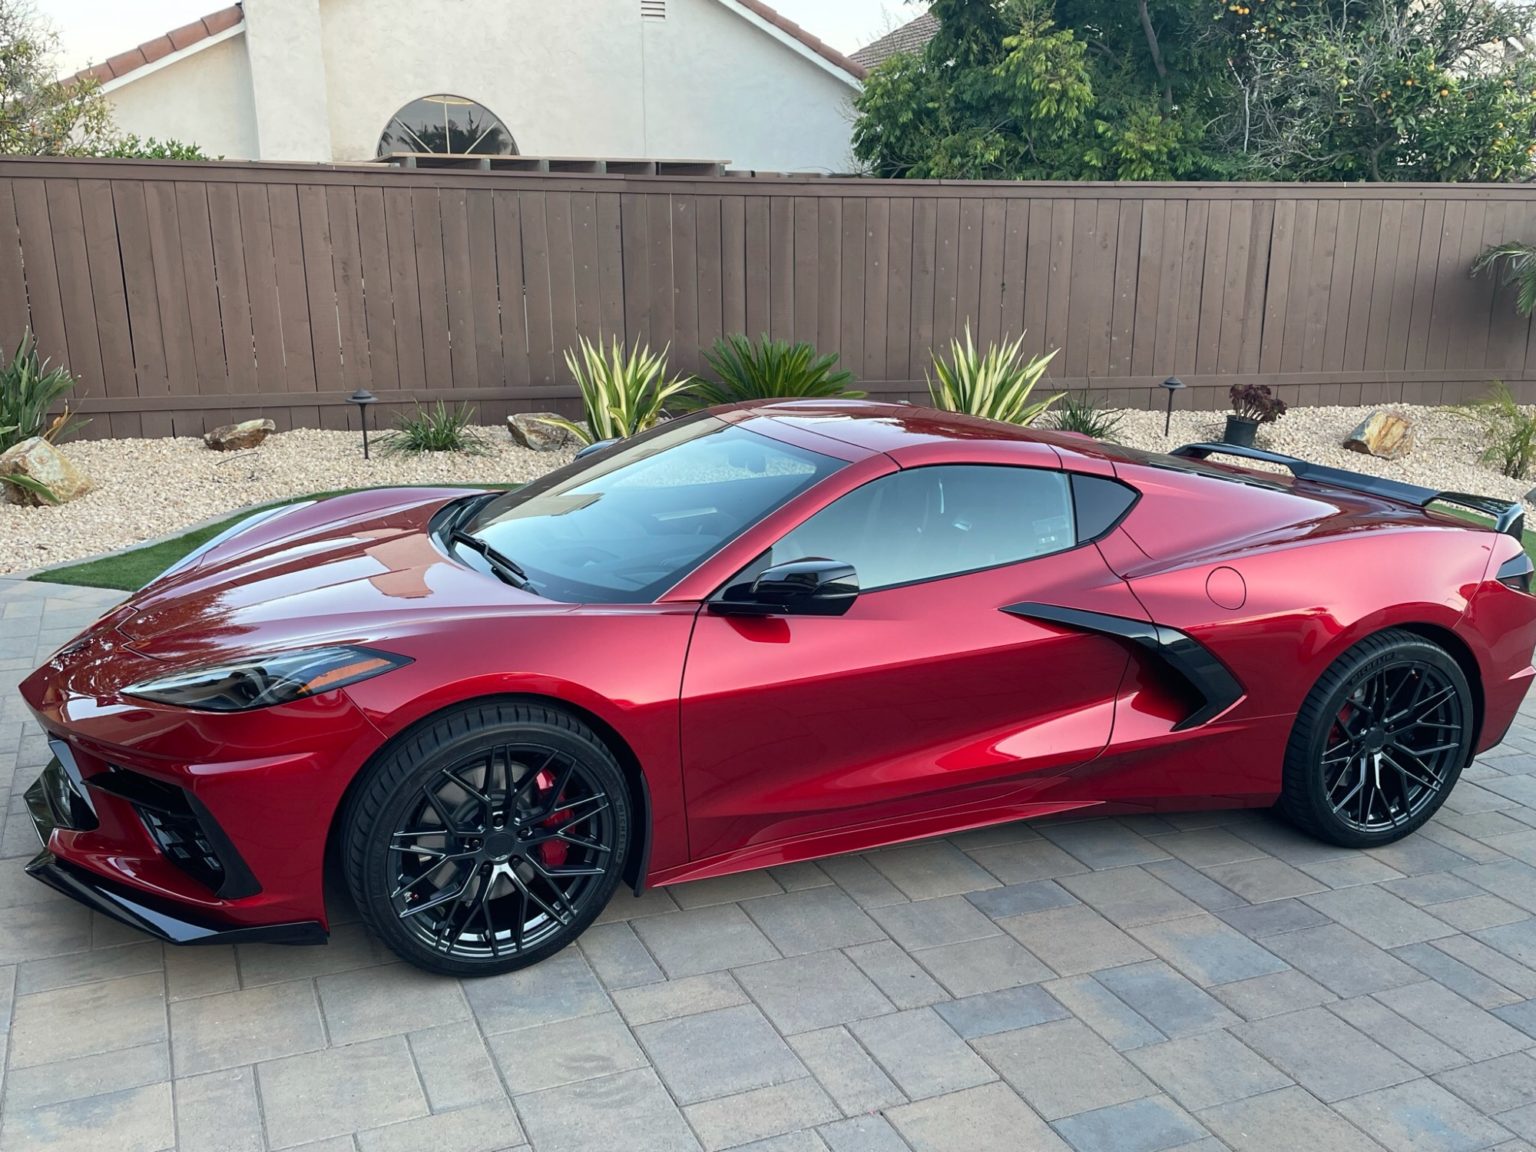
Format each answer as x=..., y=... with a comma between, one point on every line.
x=623, y=391
x=1514, y=263
x=28, y=389
x=437, y=428
x=767, y=370
x=996, y=384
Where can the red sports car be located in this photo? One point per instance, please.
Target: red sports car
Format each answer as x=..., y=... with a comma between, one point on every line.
x=755, y=635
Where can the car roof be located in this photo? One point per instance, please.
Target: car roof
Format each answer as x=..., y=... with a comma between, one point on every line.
x=911, y=434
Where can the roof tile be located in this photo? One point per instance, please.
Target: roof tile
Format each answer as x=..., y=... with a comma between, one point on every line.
x=175, y=40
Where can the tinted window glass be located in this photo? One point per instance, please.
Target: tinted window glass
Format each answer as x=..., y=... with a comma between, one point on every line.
x=627, y=526
x=447, y=125
x=925, y=523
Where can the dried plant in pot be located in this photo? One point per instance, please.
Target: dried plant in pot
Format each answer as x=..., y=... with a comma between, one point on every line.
x=1252, y=405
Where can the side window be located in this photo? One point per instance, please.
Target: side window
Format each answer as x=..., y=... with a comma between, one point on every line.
x=925, y=523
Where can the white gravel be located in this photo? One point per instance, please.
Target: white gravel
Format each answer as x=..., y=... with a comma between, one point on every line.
x=150, y=488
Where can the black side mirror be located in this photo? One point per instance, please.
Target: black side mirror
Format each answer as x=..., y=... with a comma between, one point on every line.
x=809, y=587
x=594, y=447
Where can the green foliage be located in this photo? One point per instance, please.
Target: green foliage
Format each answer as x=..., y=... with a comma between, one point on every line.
x=1514, y=263
x=623, y=391
x=437, y=428
x=1433, y=90
x=995, y=384
x=131, y=147
x=29, y=390
x=766, y=370
x=1082, y=414
x=40, y=114
x=1509, y=428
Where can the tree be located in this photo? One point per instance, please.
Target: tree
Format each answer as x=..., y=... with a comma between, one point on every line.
x=1217, y=89
x=41, y=114
x=1386, y=90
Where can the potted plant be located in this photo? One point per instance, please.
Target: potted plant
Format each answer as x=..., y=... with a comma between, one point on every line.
x=1252, y=405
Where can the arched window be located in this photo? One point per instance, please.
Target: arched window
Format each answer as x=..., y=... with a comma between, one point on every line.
x=447, y=126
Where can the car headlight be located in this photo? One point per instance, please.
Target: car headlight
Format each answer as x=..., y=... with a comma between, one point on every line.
x=255, y=518
x=262, y=681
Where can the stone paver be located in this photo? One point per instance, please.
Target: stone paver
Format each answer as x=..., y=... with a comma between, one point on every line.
x=1192, y=981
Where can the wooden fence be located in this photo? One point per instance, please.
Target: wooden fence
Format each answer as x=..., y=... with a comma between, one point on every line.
x=187, y=295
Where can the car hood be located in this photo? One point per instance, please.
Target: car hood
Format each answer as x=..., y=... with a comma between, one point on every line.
x=353, y=568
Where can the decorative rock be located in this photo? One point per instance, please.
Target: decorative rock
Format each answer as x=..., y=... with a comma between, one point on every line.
x=237, y=437
x=1386, y=435
x=42, y=462
x=538, y=431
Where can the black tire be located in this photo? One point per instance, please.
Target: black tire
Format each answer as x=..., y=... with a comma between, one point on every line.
x=486, y=838
x=1379, y=742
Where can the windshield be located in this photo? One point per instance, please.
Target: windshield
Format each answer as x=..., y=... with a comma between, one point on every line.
x=627, y=526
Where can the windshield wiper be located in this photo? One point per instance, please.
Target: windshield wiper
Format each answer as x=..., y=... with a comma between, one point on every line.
x=503, y=566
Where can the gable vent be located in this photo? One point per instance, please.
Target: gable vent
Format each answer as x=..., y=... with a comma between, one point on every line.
x=653, y=9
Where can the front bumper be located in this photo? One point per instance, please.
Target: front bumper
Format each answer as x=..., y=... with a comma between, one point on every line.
x=55, y=802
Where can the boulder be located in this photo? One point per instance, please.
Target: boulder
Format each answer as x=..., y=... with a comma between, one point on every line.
x=43, y=464
x=538, y=431
x=238, y=437
x=1388, y=435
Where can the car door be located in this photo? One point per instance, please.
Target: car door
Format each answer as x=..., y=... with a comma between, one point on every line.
x=925, y=699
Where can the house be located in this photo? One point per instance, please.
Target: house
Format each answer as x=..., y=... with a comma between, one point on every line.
x=910, y=38
x=352, y=80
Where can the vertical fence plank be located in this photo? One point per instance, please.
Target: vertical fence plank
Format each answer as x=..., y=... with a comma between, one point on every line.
x=1015, y=268
x=351, y=311
x=261, y=286
x=171, y=299
x=994, y=253
x=507, y=210
x=192, y=225
x=1149, y=280
x=320, y=284
x=47, y=309
x=634, y=223
x=1197, y=215
x=658, y=209
x=77, y=307
x=899, y=364
x=684, y=335
x=1363, y=281
x=379, y=286
x=708, y=228
x=829, y=271
x=851, y=284
x=294, y=312
x=133, y=241
x=1261, y=227
x=877, y=286
x=463, y=352
x=753, y=248
x=1213, y=300
x=405, y=287
x=610, y=267
x=806, y=281
x=925, y=247
x=781, y=269
x=968, y=265
x=1127, y=267
x=13, y=278
x=1171, y=276
x=532, y=211
x=1058, y=292
x=562, y=279
x=484, y=291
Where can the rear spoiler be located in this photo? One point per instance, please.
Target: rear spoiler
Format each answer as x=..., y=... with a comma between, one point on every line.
x=1508, y=517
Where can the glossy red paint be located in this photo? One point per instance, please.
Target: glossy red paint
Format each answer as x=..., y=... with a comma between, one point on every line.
x=923, y=710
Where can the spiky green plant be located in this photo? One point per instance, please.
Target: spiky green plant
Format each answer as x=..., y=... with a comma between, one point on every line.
x=623, y=390
x=1081, y=414
x=436, y=428
x=28, y=390
x=1514, y=263
x=1509, y=430
x=766, y=370
x=995, y=384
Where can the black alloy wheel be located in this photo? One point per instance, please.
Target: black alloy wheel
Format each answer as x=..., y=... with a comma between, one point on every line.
x=481, y=848
x=1380, y=741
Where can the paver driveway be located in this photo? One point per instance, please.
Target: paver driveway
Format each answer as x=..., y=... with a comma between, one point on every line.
x=1197, y=981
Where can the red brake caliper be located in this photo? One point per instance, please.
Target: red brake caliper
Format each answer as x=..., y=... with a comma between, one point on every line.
x=553, y=852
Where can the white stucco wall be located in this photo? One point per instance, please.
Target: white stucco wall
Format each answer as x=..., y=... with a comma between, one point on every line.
x=720, y=87
x=317, y=80
x=202, y=99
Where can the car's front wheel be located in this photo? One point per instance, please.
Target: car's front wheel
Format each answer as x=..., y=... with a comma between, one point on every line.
x=1379, y=742
x=487, y=838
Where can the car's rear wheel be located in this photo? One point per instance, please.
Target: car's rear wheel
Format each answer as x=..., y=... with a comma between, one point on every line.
x=488, y=838
x=1379, y=742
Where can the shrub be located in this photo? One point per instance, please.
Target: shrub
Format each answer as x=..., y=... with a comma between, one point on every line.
x=28, y=389
x=1509, y=429
x=131, y=147
x=1256, y=402
x=1083, y=415
x=766, y=370
x=623, y=391
x=995, y=384
x=1513, y=263
x=435, y=429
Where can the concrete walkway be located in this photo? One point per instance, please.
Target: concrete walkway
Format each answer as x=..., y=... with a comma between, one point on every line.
x=1199, y=981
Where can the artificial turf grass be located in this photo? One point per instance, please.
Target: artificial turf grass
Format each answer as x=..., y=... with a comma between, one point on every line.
x=130, y=570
